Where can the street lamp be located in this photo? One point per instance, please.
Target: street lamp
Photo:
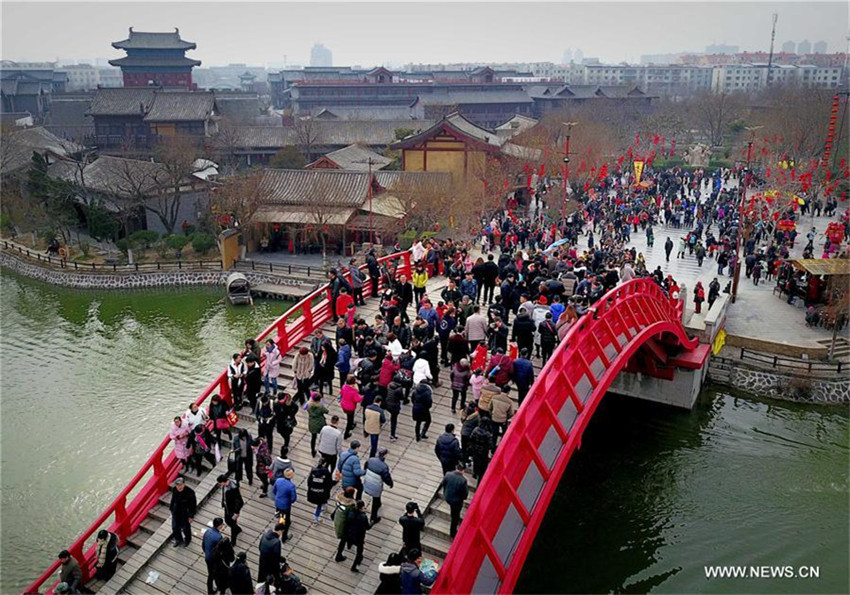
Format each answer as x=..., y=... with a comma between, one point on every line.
x=565, y=168
x=747, y=175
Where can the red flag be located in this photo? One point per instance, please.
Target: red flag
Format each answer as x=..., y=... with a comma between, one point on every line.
x=637, y=139
x=528, y=182
x=542, y=169
x=586, y=186
x=767, y=173
x=656, y=139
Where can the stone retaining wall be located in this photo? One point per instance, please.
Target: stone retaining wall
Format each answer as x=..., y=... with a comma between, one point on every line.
x=129, y=280
x=787, y=387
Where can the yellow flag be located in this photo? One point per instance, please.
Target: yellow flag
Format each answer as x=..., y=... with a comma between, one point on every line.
x=638, y=170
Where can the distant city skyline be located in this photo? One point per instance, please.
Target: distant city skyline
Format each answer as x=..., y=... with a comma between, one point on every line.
x=250, y=33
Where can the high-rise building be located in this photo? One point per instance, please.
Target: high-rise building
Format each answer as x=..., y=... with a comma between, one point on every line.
x=819, y=47
x=578, y=56
x=804, y=47
x=789, y=47
x=321, y=56
x=567, y=57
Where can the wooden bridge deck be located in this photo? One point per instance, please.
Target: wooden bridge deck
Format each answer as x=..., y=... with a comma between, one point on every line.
x=311, y=549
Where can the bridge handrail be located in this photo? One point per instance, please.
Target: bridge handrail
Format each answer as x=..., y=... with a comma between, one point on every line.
x=511, y=500
x=128, y=517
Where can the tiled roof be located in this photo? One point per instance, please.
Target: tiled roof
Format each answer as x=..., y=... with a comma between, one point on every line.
x=477, y=97
x=372, y=133
x=21, y=144
x=68, y=117
x=119, y=176
x=356, y=158
x=121, y=102
x=473, y=130
x=389, y=112
x=323, y=187
x=239, y=108
x=415, y=181
x=261, y=137
x=155, y=61
x=185, y=106
x=154, y=41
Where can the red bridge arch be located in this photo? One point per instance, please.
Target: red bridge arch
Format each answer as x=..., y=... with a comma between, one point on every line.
x=491, y=546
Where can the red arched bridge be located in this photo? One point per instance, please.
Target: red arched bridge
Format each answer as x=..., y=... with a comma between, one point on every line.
x=632, y=327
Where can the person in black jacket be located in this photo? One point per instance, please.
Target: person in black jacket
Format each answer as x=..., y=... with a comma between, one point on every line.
x=489, y=274
x=232, y=503
x=270, y=546
x=183, y=507
x=374, y=271
x=356, y=526
x=223, y=557
x=448, y=449
x=421, y=410
x=412, y=523
x=523, y=331
x=106, y=555
x=548, y=337
x=240, y=576
x=319, y=484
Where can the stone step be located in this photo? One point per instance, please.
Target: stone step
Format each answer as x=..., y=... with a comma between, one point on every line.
x=435, y=546
x=439, y=527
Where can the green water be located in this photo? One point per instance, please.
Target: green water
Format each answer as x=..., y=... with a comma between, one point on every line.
x=89, y=382
x=655, y=494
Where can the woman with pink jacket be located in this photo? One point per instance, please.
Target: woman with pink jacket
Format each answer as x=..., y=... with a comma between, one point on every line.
x=179, y=434
x=349, y=397
x=271, y=367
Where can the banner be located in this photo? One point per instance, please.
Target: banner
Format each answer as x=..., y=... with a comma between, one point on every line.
x=638, y=170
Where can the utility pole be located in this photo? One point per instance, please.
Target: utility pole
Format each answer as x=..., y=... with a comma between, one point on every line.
x=566, y=166
x=770, y=57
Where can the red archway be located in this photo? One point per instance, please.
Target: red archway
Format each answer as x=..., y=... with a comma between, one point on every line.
x=501, y=523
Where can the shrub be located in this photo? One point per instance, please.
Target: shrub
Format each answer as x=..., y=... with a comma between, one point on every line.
x=124, y=245
x=177, y=242
x=202, y=242
x=143, y=238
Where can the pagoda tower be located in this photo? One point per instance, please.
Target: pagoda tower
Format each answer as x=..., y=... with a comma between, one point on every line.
x=156, y=59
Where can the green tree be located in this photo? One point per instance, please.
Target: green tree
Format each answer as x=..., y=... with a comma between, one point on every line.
x=56, y=196
x=288, y=158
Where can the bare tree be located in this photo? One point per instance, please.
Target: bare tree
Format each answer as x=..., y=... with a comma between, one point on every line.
x=241, y=196
x=176, y=158
x=307, y=136
x=711, y=113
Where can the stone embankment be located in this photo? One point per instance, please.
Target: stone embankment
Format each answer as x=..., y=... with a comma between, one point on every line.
x=783, y=384
x=130, y=279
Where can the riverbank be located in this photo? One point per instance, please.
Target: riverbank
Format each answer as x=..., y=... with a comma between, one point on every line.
x=81, y=279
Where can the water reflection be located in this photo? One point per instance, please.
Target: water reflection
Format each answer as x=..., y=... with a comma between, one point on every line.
x=89, y=381
x=655, y=494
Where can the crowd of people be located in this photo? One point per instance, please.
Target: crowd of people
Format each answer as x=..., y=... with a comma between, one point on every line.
x=511, y=294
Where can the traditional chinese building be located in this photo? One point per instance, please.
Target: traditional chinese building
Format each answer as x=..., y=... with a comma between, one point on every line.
x=457, y=146
x=156, y=59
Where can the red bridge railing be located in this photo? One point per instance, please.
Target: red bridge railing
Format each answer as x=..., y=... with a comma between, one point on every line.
x=156, y=475
x=511, y=501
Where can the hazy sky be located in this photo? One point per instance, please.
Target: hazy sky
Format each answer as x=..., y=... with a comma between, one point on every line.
x=397, y=32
